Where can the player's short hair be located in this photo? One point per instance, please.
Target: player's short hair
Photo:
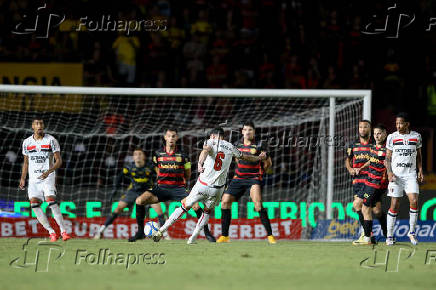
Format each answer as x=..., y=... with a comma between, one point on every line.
x=365, y=121
x=380, y=126
x=172, y=129
x=217, y=131
x=37, y=118
x=249, y=123
x=404, y=116
x=138, y=149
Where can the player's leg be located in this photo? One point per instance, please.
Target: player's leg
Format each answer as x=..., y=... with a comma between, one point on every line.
x=357, y=204
x=35, y=203
x=122, y=204
x=52, y=203
x=412, y=190
x=256, y=197
x=367, y=205
x=212, y=197
x=161, y=217
x=141, y=201
x=199, y=212
x=395, y=191
x=381, y=216
x=235, y=190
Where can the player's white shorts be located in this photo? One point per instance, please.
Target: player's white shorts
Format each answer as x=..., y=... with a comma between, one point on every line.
x=209, y=196
x=408, y=184
x=42, y=188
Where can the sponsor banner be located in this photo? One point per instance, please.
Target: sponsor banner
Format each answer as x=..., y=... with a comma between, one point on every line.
x=123, y=228
x=350, y=230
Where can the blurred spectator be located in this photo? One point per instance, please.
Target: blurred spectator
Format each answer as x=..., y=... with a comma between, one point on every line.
x=125, y=50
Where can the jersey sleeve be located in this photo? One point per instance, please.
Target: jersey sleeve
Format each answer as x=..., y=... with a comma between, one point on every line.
x=154, y=159
x=419, y=143
x=25, y=153
x=389, y=144
x=55, y=145
x=350, y=150
x=211, y=143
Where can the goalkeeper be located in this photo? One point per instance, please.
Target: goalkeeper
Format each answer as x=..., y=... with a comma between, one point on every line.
x=141, y=176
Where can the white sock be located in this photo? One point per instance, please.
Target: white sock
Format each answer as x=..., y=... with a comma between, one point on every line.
x=204, y=219
x=42, y=218
x=413, y=217
x=102, y=228
x=58, y=216
x=178, y=212
x=391, y=219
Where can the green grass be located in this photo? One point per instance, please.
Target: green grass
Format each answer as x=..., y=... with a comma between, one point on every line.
x=238, y=265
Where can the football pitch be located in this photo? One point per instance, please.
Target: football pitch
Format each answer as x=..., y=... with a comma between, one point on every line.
x=116, y=264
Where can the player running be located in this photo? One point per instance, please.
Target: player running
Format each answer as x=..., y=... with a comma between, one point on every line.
x=357, y=156
x=375, y=186
x=213, y=165
x=248, y=176
x=41, y=159
x=403, y=155
x=141, y=177
x=174, y=169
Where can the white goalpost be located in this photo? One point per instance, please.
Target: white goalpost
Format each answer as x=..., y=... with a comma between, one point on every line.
x=110, y=121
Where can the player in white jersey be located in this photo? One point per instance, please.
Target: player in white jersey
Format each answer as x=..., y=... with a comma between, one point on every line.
x=403, y=156
x=213, y=164
x=41, y=158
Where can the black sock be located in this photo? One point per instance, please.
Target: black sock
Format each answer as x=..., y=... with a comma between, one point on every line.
x=383, y=225
x=140, y=216
x=110, y=219
x=367, y=227
x=265, y=221
x=161, y=219
x=225, y=222
x=199, y=212
x=361, y=219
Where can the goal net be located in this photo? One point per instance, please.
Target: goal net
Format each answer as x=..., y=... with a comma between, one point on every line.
x=98, y=128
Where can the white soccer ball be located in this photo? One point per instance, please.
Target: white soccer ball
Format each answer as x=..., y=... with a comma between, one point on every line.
x=150, y=228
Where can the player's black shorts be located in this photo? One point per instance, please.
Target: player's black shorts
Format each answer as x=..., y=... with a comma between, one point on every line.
x=372, y=195
x=130, y=196
x=165, y=193
x=358, y=190
x=238, y=187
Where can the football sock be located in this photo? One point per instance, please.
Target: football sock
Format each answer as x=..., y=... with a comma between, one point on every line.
x=391, y=219
x=199, y=213
x=41, y=217
x=413, y=217
x=57, y=215
x=161, y=219
x=140, y=216
x=265, y=221
x=225, y=222
x=367, y=227
x=361, y=219
x=109, y=220
x=382, y=220
x=177, y=213
x=202, y=223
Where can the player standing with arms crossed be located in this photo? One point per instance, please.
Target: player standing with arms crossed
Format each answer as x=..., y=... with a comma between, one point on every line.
x=213, y=165
x=248, y=176
x=403, y=156
x=39, y=150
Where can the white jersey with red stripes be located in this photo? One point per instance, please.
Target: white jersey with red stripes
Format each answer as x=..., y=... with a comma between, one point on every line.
x=217, y=163
x=404, y=149
x=40, y=153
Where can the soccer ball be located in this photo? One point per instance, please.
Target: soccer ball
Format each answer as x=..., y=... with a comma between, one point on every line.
x=150, y=228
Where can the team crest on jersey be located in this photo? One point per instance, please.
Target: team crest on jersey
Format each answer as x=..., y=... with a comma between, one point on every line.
x=380, y=153
x=253, y=150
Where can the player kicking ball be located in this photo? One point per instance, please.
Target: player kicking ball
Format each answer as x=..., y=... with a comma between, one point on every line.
x=213, y=165
x=403, y=155
x=41, y=159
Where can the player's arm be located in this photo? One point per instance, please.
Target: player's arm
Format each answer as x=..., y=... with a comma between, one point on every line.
x=357, y=170
x=203, y=155
x=348, y=159
x=24, y=171
x=251, y=158
x=267, y=163
x=419, y=165
x=187, y=166
x=388, y=165
x=56, y=165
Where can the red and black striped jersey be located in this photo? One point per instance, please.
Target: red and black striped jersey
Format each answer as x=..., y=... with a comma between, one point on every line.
x=246, y=169
x=171, y=167
x=377, y=171
x=359, y=153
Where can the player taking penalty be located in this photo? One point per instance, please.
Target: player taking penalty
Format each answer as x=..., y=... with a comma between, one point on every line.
x=403, y=156
x=41, y=159
x=213, y=165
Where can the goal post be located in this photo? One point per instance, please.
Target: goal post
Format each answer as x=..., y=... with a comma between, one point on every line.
x=304, y=174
